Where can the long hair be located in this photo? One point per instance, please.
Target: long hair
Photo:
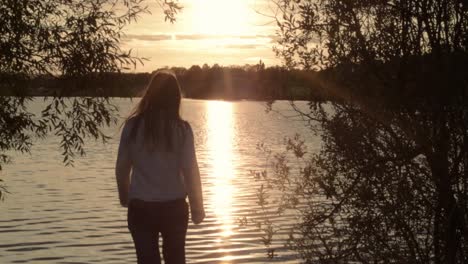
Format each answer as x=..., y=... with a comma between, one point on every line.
x=158, y=111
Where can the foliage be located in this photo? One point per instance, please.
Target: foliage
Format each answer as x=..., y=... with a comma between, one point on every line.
x=76, y=41
x=170, y=9
x=390, y=182
x=3, y=190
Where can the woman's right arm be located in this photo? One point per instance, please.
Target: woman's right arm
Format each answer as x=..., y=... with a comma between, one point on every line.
x=192, y=179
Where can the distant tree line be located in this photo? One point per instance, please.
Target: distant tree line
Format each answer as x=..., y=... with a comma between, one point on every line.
x=255, y=82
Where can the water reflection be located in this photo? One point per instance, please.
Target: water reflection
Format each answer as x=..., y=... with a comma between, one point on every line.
x=220, y=147
x=49, y=203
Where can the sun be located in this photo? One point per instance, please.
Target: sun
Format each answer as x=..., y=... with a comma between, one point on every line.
x=221, y=17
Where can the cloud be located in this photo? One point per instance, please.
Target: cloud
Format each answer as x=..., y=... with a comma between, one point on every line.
x=194, y=36
x=242, y=46
x=148, y=37
x=208, y=36
x=161, y=37
x=257, y=36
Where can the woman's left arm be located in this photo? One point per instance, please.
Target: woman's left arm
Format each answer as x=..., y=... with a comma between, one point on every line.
x=123, y=167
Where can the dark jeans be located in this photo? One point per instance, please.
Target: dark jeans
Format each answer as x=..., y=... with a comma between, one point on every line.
x=146, y=220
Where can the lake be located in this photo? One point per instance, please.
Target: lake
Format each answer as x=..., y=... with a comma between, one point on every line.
x=58, y=214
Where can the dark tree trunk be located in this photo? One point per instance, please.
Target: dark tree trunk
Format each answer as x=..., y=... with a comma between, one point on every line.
x=446, y=238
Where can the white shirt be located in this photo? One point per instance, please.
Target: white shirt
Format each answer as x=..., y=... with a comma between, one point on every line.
x=158, y=175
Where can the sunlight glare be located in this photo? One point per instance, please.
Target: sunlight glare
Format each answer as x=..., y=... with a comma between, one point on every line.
x=221, y=17
x=220, y=145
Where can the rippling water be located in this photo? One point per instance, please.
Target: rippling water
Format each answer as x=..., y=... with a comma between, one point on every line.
x=57, y=214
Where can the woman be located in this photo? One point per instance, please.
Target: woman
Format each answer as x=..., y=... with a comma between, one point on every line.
x=157, y=147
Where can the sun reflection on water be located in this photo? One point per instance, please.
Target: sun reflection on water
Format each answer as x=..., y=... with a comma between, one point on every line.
x=220, y=146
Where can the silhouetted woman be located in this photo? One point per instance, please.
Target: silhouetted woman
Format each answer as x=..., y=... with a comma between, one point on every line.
x=157, y=149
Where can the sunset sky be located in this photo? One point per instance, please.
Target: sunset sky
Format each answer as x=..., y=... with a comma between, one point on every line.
x=226, y=32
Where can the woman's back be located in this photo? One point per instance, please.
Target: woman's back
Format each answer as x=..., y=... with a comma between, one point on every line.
x=156, y=173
